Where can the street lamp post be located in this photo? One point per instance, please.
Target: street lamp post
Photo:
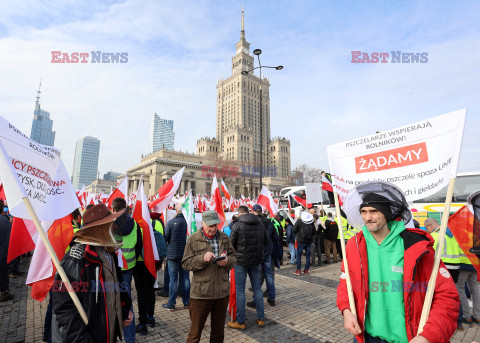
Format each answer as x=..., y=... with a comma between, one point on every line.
x=257, y=52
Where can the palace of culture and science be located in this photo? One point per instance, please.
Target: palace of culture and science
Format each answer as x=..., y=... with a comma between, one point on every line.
x=234, y=154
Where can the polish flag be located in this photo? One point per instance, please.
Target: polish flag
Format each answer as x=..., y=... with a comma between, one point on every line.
x=42, y=270
x=225, y=190
x=232, y=303
x=217, y=204
x=166, y=192
x=81, y=197
x=141, y=215
x=326, y=184
x=119, y=192
x=122, y=261
x=23, y=238
x=266, y=200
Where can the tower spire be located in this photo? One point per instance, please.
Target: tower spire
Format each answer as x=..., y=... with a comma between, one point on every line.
x=38, y=92
x=242, y=32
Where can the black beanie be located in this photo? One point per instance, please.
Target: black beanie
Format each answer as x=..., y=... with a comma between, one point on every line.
x=380, y=203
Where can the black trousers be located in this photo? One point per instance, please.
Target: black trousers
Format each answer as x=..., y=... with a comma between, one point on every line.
x=144, y=281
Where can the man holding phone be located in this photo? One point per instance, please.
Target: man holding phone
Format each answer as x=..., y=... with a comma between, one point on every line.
x=210, y=255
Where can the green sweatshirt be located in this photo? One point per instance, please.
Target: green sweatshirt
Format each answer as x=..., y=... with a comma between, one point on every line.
x=385, y=317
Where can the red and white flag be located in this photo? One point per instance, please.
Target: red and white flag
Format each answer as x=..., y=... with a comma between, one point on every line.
x=23, y=238
x=326, y=184
x=141, y=215
x=266, y=200
x=217, y=201
x=119, y=192
x=225, y=190
x=166, y=192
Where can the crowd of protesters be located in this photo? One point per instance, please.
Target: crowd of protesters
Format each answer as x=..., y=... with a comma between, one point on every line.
x=198, y=268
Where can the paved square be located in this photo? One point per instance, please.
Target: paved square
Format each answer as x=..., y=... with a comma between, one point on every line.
x=305, y=311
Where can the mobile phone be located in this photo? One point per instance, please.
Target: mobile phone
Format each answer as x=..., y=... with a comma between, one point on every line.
x=220, y=258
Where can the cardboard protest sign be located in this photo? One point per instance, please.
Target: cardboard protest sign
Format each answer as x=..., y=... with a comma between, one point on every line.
x=34, y=170
x=313, y=192
x=419, y=158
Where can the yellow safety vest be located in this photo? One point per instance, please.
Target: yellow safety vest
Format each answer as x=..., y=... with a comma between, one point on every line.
x=451, y=250
x=344, y=227
x=75, y=229
x=128, y=247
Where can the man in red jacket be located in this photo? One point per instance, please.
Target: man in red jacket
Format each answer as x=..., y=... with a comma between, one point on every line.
x=390, y=266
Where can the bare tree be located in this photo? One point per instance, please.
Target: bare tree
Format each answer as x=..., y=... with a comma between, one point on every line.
x=309, y=174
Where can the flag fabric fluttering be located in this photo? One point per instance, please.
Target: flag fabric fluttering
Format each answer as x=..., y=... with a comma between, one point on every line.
x=120, y=192
x=217, y=204
x=167, y=192
x=232, y=303
x=188, y=211
x=42, y=271
x=326, y=184
x=141, y=215
x=266, y=200
x=225, y=190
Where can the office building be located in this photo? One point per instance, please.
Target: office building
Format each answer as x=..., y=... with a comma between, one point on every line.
x=42, y=124
x=85, y=165
x=162, y=135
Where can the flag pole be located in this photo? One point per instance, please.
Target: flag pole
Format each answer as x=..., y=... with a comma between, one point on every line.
x=351, y=300
x=55, y=260
x=438, y=251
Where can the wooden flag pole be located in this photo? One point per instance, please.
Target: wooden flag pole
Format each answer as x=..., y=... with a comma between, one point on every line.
x=351, y=300
x=55, y=260
x=438, y=252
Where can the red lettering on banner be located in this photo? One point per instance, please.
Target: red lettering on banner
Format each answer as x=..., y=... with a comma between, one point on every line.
x=390, y=159
x=32, y=171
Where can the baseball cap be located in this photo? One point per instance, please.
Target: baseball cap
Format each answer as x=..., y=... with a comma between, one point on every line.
x=257, y=208
x=210, y=218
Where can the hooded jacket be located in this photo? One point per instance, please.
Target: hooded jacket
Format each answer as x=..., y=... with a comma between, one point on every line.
x=418, y=262
x=124, y=226
x=249, y=238
x=304, y=232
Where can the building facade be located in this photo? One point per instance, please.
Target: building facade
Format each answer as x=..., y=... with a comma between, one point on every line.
x=42, y=125
x=242, y=131
x=85, y=164
x=161, y=134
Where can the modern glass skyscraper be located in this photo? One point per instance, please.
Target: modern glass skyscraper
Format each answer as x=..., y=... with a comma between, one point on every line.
x=42, y=125
x=85, y=164
x=162, y=135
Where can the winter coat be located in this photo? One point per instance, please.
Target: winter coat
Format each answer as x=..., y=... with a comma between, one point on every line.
x=271, y=234
x=304, y=232
x=249, y=238
x=331, y=230
x=209, y=280
x=176, y=237
x=418, y=262
x=290, y=237
x=5, y=228
x=81, y=265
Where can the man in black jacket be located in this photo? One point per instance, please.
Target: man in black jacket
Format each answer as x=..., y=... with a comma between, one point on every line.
x=176, y=238
x=92, y=268
x=249, y=238
x=5, y=228
x=304, y=229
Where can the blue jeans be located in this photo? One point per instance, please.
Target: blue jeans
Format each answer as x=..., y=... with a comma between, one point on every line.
x=370, y=339
x=166, y=281
x=268, y=275
x=129, y=331
x=240, y=280
x=300, y=247
x=293, y=252
x=174, y=271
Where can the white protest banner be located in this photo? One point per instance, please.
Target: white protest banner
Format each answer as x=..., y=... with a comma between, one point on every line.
x=419, y=158
x=313, y=192
x=31, y=169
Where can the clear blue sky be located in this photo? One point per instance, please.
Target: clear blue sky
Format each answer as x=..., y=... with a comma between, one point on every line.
x=177, y=50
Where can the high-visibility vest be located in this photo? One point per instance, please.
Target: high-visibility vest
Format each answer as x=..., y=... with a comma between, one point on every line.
x=277, y=225
x=283, y=223
x=157, y=226
x=128, y=247
x=75, y=229
x=451, y=250
x=344, y=227
x=463, y=258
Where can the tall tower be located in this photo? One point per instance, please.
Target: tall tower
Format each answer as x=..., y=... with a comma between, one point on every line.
x=238, y=109
x=85, y=164
x=161, y=134
x=42, y=124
